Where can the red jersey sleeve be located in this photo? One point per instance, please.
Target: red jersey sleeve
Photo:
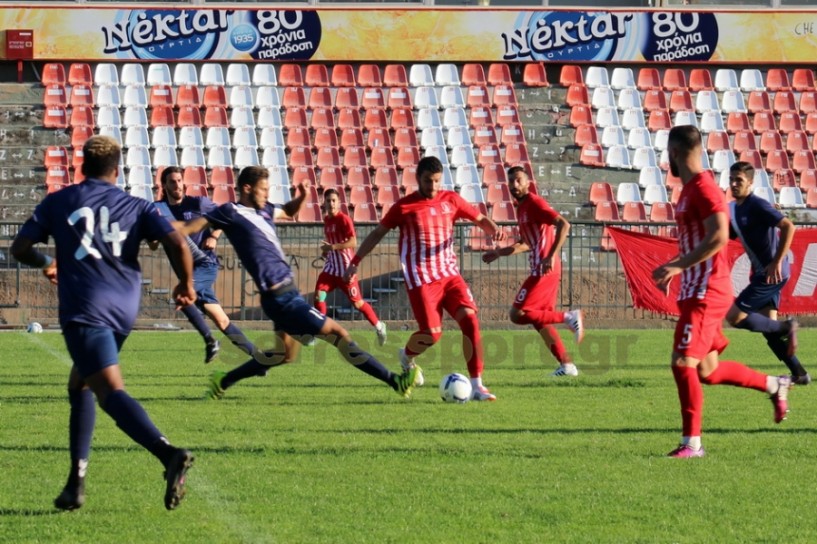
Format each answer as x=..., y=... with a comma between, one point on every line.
x=394, y=217
x=709, y=199
x=464, y=209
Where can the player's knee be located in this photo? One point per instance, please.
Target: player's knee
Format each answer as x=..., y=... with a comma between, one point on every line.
x=431, y=337
x=468, y=322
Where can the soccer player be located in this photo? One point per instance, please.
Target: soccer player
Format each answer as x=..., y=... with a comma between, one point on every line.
x=705, y=294
x=426, y=222
x=176, y=205
x=249, y=226
x=757, y=224
x=338, y=249
x=97, y=229
x=543, y=231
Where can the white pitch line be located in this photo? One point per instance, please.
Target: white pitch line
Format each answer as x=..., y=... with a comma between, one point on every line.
x=59, y=355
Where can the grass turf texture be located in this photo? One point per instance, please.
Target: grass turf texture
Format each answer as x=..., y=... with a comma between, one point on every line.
x=318, y=452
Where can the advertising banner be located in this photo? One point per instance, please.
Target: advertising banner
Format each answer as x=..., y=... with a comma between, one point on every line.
x=421, y=35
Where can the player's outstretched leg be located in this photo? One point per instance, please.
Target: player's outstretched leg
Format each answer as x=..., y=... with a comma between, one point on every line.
x=574, y=320
x=175, y=476
x=407, y=363
x=780, y=398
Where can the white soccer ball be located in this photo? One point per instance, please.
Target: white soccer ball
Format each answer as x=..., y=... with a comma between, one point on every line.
x=455, y=388
x=34, y=328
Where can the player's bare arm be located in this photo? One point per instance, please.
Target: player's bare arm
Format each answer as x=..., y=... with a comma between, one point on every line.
x=716, y=235
x=24, y=251
x=326, y=247
x=365, y=248
x=494, y=254
x=194, y=226
x=562, y=229
x=182, y=262
x=212, y=241
x=490, y=228
x=292, y=207
x=774, y=272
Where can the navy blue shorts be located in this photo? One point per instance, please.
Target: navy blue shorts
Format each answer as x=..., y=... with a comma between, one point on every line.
x=759, y=295
x=92, y=348
x=292, y=314
x=204, y=277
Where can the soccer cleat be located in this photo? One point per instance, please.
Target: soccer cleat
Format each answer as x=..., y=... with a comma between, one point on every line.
x=211, y=351
x=406, y=363
x=791, y=341
x=574, y=320
x=803, y=379
x=568, y=369
x=175, y=475
x=215, y=391
x=71, y=497
x=407, y=381
x=481, y=393
x=380, y=329
x=780, y=400
x=685, y=451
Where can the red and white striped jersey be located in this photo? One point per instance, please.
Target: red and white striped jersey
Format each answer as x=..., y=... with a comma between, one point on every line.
x=337, y=230
x=536, y=219
x=426, y=243
x=700, y=198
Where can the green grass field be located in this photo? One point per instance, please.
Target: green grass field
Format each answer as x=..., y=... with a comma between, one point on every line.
x=319, y=452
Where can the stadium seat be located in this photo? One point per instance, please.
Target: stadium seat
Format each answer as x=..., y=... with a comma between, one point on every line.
x=622, y=78
x=661, y=139
x=494, y=173
x=394, y=75
x=216, y=136
x=263, y=75
x=55, y=117
x=108, y=95
x=585, y=134
x=81, y=95
x=644, y=157
x=577, y=95
x=752, y=157
x=596, y=76
x=504, y=94
x=195, y=175
x=607, y=211
x=488, y=154
x=322, y=118
x=161, y=95
x=279, y=194
x=223, y=194
x=84, y=116
x=299, y=156
x=726, y=80
x=463, y=155
x=579, y=115
x=707, y=101
x=354, y=156
x=535, y=75
x=134, y=95
x=629, y=98
x=770, y=140
x=783, y=178
x=159, y=75
x=404, y=118
x=810, y=125
x=360, y=194
x=607, y=117
x=766, y=193
x=763, y=121
x=382, y=156
x=680, y=100
x=722, y=160
x=223, y=176
x=238, y=75
x=499, y=73
x=420, y=75
x=165, y=155
x=612, y=136
x=777, y=79
x=600, y=191
x=784, y=101
x=477, y=96
x=655, y=99
x=188, y=96
x=632, y=118
x=777, y=159
x=79, y=73
x=246, y=156
x=316, y=76
x=650, y=175
x=211, y=74
x=737, y=121
x=592, y=155
x=399, y=97
x=674, y=80
x=373, y=97
x=486, y=135
x=219, y=156
x=751, y=80
x=290, y=75
x=359, y=175
x=377, y=137
x=185, y=73
x=802, y=161
x=189, y=116
x=603, y=97
x=700, y=79
x=732, y=101
x=803, y=79
x=267, y=96
x=241, y=96
x=139, y=136
x=53, y=74
x=634, y=212
x=279, y=176
x=628, y=192
x=345, y=97
x=324, y=137
x=55, y=95
x=244, y=137
x=648, y=79
x=424, y=97
x=758, y=101
x=373, y=118
x=456, y=117
x=717, y=140
x=56, y=156
x=295, y=117
x=114, y=132
x=795, y=141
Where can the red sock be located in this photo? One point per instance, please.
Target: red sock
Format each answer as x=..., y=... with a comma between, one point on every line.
x=691, y=395
x=321, y=307
x=539, y=319
x=735, y=373
x=472, y=344
x=557, y=348
x=368, y=313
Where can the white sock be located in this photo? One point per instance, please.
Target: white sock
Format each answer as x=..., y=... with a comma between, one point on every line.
x=476, y=383
x=693, y=442
x=772, y=384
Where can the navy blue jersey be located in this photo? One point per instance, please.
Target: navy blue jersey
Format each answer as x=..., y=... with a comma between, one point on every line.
x=253, y=234
x=97, y=229
x=192, y=207
x=757, y=220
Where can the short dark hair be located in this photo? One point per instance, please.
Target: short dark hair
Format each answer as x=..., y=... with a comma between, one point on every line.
x=251, y=175
x=329, y=192
x=515, y=170
x=687, y=137
x=743, y=167
x=101, y=156
x=429, y=164
x=168, y=171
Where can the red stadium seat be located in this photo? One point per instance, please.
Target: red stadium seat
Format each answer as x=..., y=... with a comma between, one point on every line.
x=399, y=97
x=160, y=95
x=310, y=213
x=499, y=73
x=223, y=194
x=298, y=137
x=477, y=95
x=368, y=75
x=380, y=137
x=189, y=117
x=577, y=95
x=373, y=97
x=214, y=97
x=325, y=137
x=700, y=79
x=394, y=75
x=473, y=74
x=294, y=97
x=295, y=117
x=601, y=191
x=674, y=79
x=648, y=79
x=374, y=118
x=222, y=175
x=188, y=96
x=777, y=79
x=401, y=118
x=346, y=97
x=385, y=177
x=381, y=156
x=53, y=74
x=343, y=75
x=331, y=178
x=535, y=75
x=81, y=95
x=290, y=75
x=350, y=118
x=570, y=74
x=216, y=117
x=359, y=175
x=327, y=157
x=365, y=212
x=55, y=117
x=316, y=76
x=592, y=155
x=803, y=79
x=79, y=73
x=655, y=99
x=354, y=156
x=79, y=135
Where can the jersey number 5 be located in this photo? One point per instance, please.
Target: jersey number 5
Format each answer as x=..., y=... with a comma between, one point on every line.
x=110, y=232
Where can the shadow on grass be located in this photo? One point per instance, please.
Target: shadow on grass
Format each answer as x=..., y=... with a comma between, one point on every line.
x=29, y=512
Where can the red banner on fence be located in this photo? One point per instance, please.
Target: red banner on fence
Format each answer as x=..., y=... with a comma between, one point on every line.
x=642, y=253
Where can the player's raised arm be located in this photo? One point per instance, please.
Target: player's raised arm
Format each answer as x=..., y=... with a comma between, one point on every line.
x=292, y=207
x=24, y=251
x=365, y=248
x=193, y=226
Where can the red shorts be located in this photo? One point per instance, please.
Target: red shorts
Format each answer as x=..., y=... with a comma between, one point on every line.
x=430, y=299
x=538, y=293
x=328, y=282
x=700, y=328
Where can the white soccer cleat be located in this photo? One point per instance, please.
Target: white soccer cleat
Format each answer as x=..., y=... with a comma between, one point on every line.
x=380, y=329
x=574, y=320
x=406, y=363
x=481, y=393
x=568, y=369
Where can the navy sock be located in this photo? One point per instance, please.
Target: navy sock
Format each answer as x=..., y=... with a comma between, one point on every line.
x=756, y=322
x=780, y=349
x=365, y=362
x=81, y=423
x=238, y=339
x=135, y=422
x=248, y=370
x=196, y=318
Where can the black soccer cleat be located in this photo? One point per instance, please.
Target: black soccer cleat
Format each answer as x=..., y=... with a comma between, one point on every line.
x=175, y=475
x=71, y=497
